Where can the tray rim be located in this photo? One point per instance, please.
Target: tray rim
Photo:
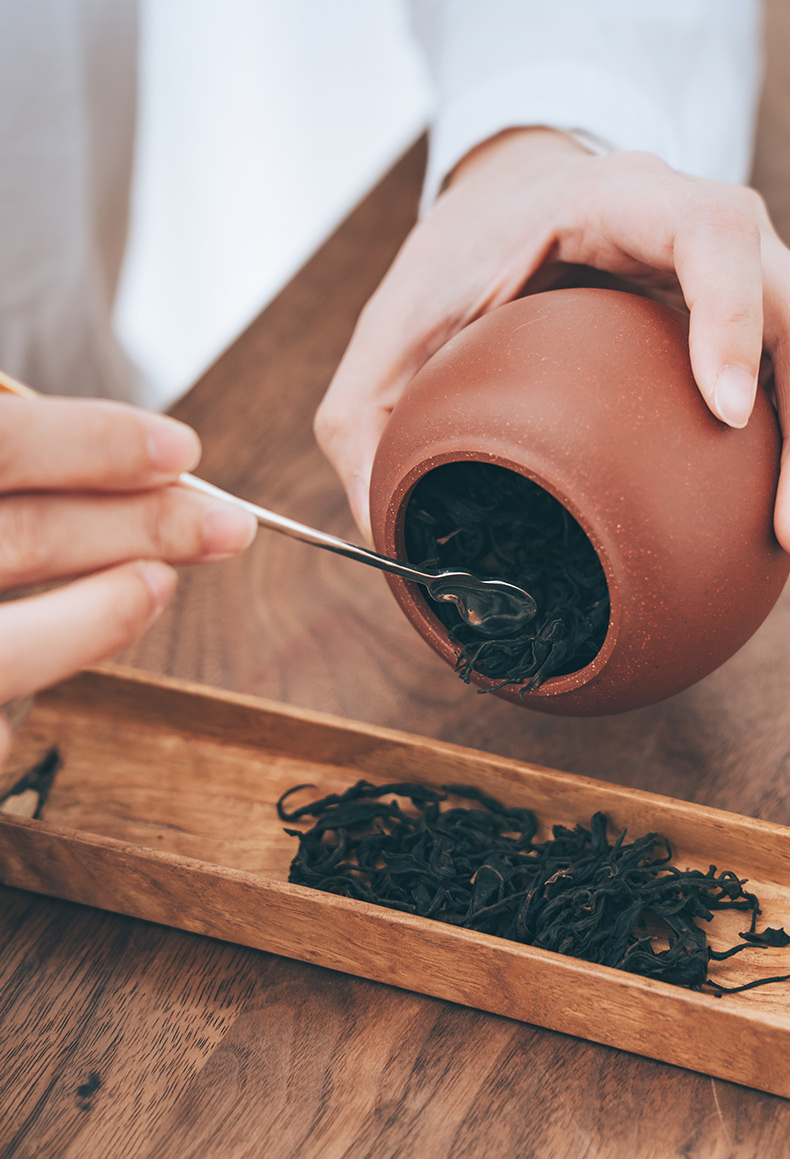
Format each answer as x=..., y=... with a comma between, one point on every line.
x=481, y=971
x=563, y=962
x=676, y=805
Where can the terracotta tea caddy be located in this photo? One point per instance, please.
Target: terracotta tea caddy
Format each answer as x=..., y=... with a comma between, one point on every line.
x=589, y=393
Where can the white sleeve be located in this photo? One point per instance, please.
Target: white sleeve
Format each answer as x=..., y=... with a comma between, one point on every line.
x=67, y=103
x=679, y=78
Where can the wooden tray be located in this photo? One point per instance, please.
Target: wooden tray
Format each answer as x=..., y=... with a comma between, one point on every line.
x=164, y=810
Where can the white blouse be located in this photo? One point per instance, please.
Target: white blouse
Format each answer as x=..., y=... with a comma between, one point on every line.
x=679, y=78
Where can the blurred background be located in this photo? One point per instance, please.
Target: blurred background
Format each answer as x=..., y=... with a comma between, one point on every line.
x=260, y=125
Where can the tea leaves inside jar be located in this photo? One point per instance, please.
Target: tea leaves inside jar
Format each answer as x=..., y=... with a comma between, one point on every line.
x=500, y=525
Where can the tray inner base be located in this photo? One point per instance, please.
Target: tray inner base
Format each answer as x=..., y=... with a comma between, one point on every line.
x=143, y=779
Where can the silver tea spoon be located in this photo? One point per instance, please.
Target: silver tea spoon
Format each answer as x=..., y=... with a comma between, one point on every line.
x=494, y=607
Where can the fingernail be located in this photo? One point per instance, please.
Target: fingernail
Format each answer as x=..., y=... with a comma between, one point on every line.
x=733, y=395
x=160, y=579
x=226, y=531
x=172, y=446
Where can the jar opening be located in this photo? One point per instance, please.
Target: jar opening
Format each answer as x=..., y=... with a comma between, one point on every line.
x=500, y=525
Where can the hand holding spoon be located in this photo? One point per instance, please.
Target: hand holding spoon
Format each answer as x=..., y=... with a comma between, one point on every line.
x=492, y=606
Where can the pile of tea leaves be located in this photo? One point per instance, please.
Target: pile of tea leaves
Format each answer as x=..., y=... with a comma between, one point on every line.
x=500, y=525
x=618, y=903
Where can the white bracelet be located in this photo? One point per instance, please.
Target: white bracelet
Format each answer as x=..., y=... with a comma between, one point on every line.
x=589, y=141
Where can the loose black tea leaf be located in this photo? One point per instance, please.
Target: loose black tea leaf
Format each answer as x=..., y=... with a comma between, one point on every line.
x=621, y=904
x=501, y=525
x=768, y=937
x=719, y=990
x=28, y=796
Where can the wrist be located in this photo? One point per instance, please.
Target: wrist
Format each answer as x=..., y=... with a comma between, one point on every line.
x=536, y=149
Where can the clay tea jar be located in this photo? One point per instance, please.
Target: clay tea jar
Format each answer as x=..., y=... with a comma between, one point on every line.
x=588, y=393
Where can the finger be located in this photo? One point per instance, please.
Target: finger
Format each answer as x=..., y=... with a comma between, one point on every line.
x=45, y=537
x=350, y=422
x=480, y=243
x=443, y=278
x=646, y=221
x=355, y=410
x=49, y=443
x=781, y=361
x=719, y=265
x=48, y=637
x=777, y=338
x=782, y=509
x=6, y=736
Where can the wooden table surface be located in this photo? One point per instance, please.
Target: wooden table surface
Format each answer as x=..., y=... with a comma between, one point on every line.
x=123, y=1039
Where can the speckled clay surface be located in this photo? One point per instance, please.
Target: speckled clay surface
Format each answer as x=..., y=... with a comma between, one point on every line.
x=589, y=393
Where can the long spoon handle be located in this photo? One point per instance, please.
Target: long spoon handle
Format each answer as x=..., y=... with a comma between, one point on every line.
x=271, y=519
x=494, y=607
x=310, y=535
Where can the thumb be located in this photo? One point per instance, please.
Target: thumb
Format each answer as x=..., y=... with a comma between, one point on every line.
x=348, y=429
x=720, y=271
x=383, y=355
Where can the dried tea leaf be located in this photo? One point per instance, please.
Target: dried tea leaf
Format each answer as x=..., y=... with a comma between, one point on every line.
x=776, y=937
x=27, y=797
x=501, y=525
x=619, y=903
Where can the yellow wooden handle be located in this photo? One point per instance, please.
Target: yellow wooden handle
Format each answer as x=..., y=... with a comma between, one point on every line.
x=10, y=386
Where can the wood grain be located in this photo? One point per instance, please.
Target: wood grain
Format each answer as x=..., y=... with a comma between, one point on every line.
x=303, y=1061
x=159, y=777
x=87, y=975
